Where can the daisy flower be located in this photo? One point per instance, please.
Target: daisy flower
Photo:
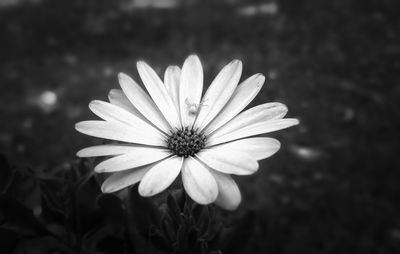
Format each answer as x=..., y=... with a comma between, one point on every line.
x=172, y=129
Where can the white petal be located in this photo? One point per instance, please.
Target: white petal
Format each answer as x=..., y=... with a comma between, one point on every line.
x=219, y=92
x=199, y=183
x=242, y=96
x=160, y=176
x=123, y=179
x=191, y=87
x=255, y=129
x=142, y=102
x=107, y=150
x=263, y=112
x=171, y=80
x=119, y=132
x=140, y=157
x=229, y=196
x=118, y=98
x=229, y=162
x=159, y=93
x=259, y=148
x=115, y=114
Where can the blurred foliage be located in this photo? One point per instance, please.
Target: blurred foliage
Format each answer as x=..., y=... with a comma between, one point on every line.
x=71, y=215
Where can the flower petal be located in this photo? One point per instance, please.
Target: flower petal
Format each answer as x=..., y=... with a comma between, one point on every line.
x=140, y=157
x=255, y=129
x=191, y=87
x=171, y=80
x=118, y=98
x=263, y=112
x=123, y=179
x=160, y=176
x=242, y=96
x=115, y=114
x=219, y=92
x=119, y=132
x=229, y=162
x=199, y=183
x=229, y=196
x=159, y=94
x=142, y=102
x=107, y=150
x=259, y=148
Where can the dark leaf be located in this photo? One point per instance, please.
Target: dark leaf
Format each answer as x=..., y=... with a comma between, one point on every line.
x=112, y=206
x=168, y=229
x=182, y=237
x=17, y=215
x=173, y=210
x=144, y=212
x=192, y=238
x=197, y=211
x=180, y=196
x=203, y=222
x=8, y=240
x=52, y=205
x=111, y=245
x=159, y=241
x=214, y=234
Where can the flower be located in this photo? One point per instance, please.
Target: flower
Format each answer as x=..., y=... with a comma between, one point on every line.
x=172, y=130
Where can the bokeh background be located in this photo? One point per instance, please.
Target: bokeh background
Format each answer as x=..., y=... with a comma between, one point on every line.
x=333, y=187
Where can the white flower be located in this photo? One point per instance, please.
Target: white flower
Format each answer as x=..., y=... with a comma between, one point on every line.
x=173, y=130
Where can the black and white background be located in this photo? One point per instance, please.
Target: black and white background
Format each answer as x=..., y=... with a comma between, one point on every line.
x=334, y=187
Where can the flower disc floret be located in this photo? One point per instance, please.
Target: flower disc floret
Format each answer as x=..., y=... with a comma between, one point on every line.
x=186, y=142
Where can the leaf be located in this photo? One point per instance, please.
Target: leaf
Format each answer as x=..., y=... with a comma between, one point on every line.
x=111, y=245
x=144, y=212
x=174, y=210
x=180, y=196
x=8, y=240
x=203, y=222
x=159, y=241
x=168, y=229
x=52, y=205
x=112, y=206
x=20, y=217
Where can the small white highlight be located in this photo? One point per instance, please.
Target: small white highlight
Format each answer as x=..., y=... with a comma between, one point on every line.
x=48, y=98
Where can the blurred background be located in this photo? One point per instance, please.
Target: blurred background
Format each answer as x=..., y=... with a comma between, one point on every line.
x=334, y=185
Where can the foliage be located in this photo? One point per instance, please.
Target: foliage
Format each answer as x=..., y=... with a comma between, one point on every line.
x=71, y=215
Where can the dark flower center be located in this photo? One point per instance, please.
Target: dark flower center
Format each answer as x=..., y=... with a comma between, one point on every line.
x=186, y=142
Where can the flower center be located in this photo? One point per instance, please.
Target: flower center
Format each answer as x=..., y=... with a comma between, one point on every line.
x=186, y=142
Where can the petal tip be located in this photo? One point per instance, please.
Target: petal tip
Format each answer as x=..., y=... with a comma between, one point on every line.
x=94, y=103
x=79, y=154
x=193, y=60
x=141, y=64
x=192, y=56
x=144, y=191
x=123, y=77
x=107, y=189
x=78, y=126
x=232, y=207
x=236, y=62
x=99, y=169
x=260, y=78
